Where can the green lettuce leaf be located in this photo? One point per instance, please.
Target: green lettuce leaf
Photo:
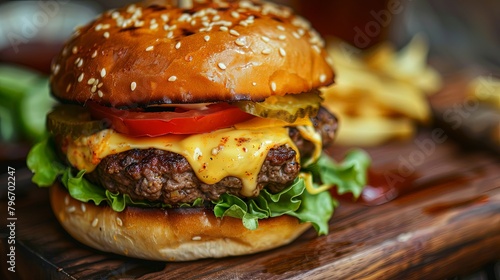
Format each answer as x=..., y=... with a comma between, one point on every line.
x=295, y=200
x=348, y=176
x=43, y=162
x=45, y=165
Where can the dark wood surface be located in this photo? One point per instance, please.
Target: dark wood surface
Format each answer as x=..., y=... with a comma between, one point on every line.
x=446, y=223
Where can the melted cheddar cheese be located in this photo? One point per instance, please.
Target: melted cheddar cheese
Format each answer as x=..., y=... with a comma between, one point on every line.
x=238, y=152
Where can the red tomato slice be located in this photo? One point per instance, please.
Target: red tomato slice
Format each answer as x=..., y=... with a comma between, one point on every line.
x=136, y=123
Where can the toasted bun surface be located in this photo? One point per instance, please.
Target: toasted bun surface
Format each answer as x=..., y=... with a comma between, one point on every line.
x=168, y=235
x=216, y=51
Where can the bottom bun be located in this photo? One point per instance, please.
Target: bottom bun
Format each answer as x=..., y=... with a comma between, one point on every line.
x=168, y=234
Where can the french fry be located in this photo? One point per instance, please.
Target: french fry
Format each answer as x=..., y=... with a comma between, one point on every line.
x=409, y=64
x=485, y=90
x=380, y=95
x=372, y=131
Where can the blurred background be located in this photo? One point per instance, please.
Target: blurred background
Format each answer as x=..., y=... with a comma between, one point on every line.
x=422, y=64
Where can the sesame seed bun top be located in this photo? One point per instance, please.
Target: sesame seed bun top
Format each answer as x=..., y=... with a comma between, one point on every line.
x=215, y=51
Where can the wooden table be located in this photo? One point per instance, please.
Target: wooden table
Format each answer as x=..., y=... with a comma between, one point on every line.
x=447, y=224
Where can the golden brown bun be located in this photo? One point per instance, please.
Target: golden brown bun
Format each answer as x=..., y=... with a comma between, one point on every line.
x=216, y=51
x=168, y=235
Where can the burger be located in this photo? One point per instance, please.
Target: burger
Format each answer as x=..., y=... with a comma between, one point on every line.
x=192, y=132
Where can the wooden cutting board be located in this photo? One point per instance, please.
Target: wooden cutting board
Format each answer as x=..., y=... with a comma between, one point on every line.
x=445, y=223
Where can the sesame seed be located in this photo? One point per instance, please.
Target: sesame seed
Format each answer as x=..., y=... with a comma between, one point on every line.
x=254, y=84
x=94, y=222
x=266, y=51
x=282, y=52
x=56, y=69
x=103, y=72
x=223, y=28
x=75, y=49
x=170, y=35
x=216, y=18
x=98, y=27
x=115, y=15
x=100, y=85
x=235, y=14
x=80, y=78
x=265, y=39
x=133, y=85
x=164, y=17
x=172, y=79
x=281, y=28
x=100, y=93
x=207, y=38
x=93, y=89
x=301, y=31
x=94, y=54
x=196, y=238
x=131, y=9
x=234, y=32
x=216, y=150
x=296, y=35
x=222, y=66
x=282, y=37
x=106, y=34
x=178, y=45
x=153, y=26
x=322, y=78
x=83, y=207
x=68, y=87
x=71, y=209
x=96, y=82
x=119, y=221
x=240, y=41
x=150, y=48
x=273, y=86
x=90, y=81
x=316, y=48
x=77, y=60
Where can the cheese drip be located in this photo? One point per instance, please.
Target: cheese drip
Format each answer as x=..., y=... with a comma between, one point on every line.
x=213, y=156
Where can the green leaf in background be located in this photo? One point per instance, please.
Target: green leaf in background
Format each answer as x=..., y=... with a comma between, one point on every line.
x=33, y=109
x=7, y=131
x=15, y=81
x=26, y=100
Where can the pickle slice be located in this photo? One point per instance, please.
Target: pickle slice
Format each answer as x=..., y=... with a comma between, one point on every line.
x=287, y=108
x=74, y=121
